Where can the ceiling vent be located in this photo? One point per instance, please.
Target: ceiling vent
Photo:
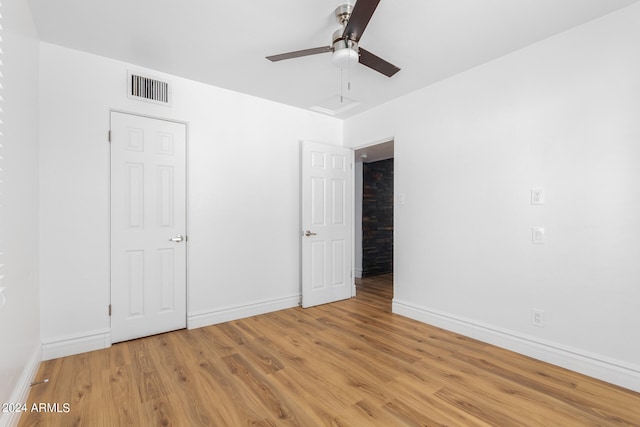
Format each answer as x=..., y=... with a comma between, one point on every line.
x=145, y=88
x=335, y=105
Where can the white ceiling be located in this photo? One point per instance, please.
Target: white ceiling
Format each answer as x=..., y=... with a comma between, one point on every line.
x=224, y=43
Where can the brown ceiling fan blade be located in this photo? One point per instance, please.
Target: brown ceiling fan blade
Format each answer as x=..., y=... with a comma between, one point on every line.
x=299, y=53
x=376, y=63
x=360, y=17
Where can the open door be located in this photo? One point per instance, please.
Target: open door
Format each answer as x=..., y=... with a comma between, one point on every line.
x=327, y=223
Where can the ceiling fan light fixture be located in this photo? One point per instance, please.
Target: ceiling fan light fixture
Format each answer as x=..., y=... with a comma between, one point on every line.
x=345, y=57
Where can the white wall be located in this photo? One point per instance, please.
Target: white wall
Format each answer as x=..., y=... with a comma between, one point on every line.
x=19, y=318
x=561, y=114
x=243, y=207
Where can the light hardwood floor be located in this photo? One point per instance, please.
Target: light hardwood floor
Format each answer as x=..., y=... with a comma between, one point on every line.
x=350, y=363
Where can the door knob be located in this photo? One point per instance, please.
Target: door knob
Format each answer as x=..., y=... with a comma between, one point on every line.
x=309, y=233
x=177, y=239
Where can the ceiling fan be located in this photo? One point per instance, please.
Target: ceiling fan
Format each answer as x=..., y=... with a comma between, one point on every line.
x=345, y=48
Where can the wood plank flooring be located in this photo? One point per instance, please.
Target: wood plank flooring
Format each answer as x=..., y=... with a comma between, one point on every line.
x=350, y=363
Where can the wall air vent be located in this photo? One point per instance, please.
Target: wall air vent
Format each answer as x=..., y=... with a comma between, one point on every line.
x=145, y=88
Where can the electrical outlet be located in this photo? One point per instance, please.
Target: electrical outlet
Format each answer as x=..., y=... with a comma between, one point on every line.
x=537, y=317
x=3, y=300
x=537, y=196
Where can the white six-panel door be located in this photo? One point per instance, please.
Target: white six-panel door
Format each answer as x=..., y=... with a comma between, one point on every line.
x=148, y=226
x=327, y=223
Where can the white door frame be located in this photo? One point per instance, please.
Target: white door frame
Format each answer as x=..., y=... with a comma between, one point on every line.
x=110, y=111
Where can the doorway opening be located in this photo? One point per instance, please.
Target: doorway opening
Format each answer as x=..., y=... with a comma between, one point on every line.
x=374, y=206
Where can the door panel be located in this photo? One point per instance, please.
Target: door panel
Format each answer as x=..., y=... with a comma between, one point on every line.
x=327, y=186
x=148, y=208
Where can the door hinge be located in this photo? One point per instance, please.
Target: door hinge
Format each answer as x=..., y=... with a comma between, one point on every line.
x=109, y=136
x=109, y=309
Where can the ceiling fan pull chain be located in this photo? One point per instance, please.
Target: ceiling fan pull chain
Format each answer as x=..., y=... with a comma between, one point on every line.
x=349, y=78
x=341, y=84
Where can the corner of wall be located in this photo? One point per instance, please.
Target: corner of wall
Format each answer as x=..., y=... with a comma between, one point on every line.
x=23, y=386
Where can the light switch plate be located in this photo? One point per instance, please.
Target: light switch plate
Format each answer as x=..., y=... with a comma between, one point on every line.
x=401, y=198
x=537, y=196
x=537, y=235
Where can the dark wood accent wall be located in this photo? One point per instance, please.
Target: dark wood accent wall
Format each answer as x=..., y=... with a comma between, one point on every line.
x=377, y=218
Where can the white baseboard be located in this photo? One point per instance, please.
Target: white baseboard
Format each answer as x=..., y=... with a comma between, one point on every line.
x=76, y=344
x=21, y=391
x=623, y=374
x=226, y=314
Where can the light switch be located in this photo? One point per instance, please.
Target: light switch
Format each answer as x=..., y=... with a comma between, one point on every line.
x=401, y=198
x=3, y=300
x=537, y=196
x=537, y=235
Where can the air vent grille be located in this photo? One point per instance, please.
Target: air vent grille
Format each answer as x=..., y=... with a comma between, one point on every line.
x=335, y=105
x=148, y=89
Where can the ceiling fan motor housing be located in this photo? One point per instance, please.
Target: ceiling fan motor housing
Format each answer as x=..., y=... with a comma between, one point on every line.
x=345, y=51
